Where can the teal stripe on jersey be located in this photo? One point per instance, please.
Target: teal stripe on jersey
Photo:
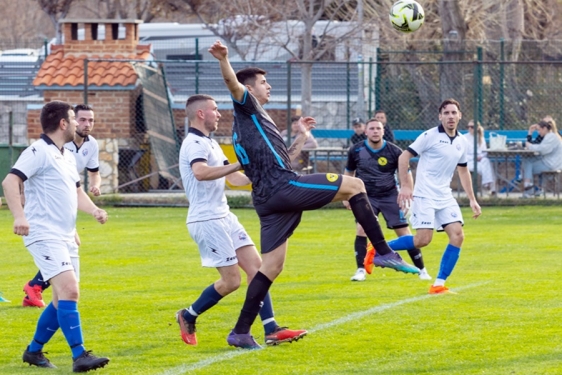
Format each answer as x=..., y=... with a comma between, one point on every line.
x=256, y=122
x=314, y=186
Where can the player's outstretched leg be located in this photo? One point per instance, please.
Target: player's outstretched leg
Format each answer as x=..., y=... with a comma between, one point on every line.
x=386, y=257
x=390, y=260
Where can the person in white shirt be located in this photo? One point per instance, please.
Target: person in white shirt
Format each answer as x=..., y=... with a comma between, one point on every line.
x=222, y=241
x=484, y=165
x=441, y=150
x=85, y=149
x=550, y=158
x=48, y=226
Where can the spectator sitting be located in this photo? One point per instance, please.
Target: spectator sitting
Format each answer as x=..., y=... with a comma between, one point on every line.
x=534, y=127
x=550, y=157
x=359, y=131
x=301, y=161
x=484, y=166
x=380, y=116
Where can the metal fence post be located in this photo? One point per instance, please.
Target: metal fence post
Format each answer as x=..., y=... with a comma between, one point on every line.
x=348, y=93
x=377, y=81
x=502, y=82
x=85, y=102
x=370, y=91
x=197, y=65
x=288, y=103
x=10, y=137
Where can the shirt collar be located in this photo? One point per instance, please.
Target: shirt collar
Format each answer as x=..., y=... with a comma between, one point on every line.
x=441, y=129
x=49, y=141
x=197, y=132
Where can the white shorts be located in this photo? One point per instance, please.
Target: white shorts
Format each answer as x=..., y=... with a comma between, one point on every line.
x=219, y=239
x=434, y=214
x=55, y=257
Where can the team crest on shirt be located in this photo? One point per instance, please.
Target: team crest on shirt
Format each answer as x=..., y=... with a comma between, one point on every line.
x=382, y=161
x=332, y=177
x=242, y=236
x=458, y=147
x=84, y=152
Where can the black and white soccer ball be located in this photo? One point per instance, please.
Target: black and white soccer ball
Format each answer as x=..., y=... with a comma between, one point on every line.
x=406, y=16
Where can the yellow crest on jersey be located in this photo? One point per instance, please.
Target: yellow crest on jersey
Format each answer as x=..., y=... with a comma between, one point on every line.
x=383, y=161
x=332, y=177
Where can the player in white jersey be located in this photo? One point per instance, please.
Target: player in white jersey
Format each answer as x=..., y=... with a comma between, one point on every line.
x=85, y=149
x=441, y=150
x=223, y=242
x=48, y=221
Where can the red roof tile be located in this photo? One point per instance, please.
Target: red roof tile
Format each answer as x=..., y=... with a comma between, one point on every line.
x=68, y=70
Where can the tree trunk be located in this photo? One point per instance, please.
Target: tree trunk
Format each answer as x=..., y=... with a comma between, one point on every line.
x=454, y=32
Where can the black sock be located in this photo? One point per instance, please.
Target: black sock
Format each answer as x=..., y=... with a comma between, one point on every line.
x=360, y=250
x=417, y=258
x=258, y=288
x=364, y=214
x=38, y=280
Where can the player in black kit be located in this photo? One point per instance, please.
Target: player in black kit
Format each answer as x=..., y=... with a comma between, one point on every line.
x=375, y=162
x=279, y=194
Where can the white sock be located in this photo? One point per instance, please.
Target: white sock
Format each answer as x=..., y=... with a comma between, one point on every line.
x=439, y=282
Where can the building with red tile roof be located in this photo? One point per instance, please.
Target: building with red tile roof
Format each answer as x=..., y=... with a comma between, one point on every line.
x=113, y=88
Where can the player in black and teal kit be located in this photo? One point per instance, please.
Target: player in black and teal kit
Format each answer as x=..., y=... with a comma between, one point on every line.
x=279, y=194
x=375, y=162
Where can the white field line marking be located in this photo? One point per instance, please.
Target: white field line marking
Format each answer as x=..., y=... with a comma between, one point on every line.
x=354, y=316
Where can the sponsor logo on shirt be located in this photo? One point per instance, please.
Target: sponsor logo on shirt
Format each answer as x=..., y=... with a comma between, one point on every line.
x=383, y=161
x=332, y=177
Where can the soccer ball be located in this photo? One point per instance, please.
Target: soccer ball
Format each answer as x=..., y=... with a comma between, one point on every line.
x=406, y=16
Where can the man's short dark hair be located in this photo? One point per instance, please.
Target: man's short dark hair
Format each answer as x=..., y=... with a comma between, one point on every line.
x=379, y=111
x=52, y=113
x=82, y=107
x=197, y=97
x=190, y=109
x=247, y=76
x=446, y=102
x=295, y=118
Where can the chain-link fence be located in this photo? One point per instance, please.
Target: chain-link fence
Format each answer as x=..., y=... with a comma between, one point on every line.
x=141, y=129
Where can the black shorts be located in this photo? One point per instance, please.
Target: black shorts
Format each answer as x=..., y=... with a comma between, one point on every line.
x=281, y=214
x=388, y=206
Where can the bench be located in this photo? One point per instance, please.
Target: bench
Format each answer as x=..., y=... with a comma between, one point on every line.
x=411, y=135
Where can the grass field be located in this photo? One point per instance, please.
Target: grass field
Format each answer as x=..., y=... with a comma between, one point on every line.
x=141, y=267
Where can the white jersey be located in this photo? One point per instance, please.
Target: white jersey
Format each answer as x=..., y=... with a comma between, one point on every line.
x=50, y=182
x=87, y=155
x=439, y=156
x=206, y=198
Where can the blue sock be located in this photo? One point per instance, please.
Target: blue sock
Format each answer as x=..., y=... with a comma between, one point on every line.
x=448, y=261
x=69, y=320
x=209, y=298
x=38, y=280
x=402, y=243
x=267, y=316
x=47, y=325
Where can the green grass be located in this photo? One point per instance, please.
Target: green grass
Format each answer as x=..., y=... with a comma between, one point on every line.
x=142, y=266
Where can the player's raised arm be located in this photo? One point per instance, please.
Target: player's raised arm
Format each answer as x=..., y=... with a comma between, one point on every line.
x=220, y=52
